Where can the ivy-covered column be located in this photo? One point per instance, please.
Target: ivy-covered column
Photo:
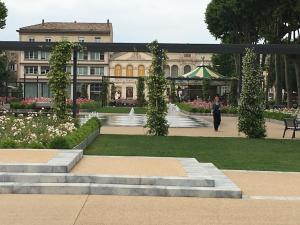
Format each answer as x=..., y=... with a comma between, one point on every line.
x=157, y=85
x=59, y=79
x=251, y=109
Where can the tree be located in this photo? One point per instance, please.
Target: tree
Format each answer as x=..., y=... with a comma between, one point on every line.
x=104, y=91
x=172, y=91
x=141, y=92
x=205, y=89
x=251, y=109
x=59, y=79
x=157, y=84
x=112, y=92
x=3, y=15
x=84, y=91
x=223, y=64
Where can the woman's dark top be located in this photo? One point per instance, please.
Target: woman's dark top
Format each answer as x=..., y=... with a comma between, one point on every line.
x=216, y=108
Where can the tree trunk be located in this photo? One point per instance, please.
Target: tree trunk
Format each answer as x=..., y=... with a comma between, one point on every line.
x=297, y=70
x=287, y=82
x=278, y=81
x=267, y=82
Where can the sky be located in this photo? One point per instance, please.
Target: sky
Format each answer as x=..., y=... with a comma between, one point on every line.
x=168, y=21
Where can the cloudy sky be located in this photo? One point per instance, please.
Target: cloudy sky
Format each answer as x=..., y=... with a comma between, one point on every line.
x=172, y=21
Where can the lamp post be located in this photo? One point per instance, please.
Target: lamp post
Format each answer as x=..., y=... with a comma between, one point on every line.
x=74, y=108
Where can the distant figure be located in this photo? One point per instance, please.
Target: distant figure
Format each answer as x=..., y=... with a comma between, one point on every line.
x=216, y=111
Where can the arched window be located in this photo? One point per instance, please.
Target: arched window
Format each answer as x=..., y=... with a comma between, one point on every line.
x=129, y=71
x=118, y=71
x=187, y=69
x=167, y=71
x=174, y=71
x=141, y=72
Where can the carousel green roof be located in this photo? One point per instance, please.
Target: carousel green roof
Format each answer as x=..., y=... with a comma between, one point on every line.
x=203, y=72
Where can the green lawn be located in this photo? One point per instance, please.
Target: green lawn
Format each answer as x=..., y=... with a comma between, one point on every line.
x=225, y=153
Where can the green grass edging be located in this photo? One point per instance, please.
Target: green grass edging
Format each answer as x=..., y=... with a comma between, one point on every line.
x=75, y=138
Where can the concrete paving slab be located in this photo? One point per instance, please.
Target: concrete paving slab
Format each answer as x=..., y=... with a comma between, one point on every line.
x=26, y=156
x=135, y=166
x=40, y=209
x=112, y=210
x=255, y=183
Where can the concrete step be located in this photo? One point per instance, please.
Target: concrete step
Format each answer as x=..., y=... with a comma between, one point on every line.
x=63, y=162
x=117, y=189
x=203, y=181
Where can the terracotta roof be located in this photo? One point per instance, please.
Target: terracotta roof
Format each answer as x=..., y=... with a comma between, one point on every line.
x=62, y=27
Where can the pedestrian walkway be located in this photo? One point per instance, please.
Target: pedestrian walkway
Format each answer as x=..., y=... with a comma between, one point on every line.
x=130, y=210
x=228, y=129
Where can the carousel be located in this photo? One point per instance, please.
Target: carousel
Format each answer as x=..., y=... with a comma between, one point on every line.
x=202, y=83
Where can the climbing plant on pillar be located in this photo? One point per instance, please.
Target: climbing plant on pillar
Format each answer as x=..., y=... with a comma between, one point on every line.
x=141, y=92
x=157, y=85
x=59, y=79
x=251, y=109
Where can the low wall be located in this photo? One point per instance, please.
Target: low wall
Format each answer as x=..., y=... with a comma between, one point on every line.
x=88, y=140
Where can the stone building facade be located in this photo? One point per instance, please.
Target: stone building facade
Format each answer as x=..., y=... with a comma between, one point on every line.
x=34, y=65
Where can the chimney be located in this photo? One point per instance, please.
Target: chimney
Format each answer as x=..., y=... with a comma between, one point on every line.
x=107, y=22
x=75, y=21
x=43, y=22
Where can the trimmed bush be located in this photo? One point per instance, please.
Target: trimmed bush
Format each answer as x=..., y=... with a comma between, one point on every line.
x=76, y=137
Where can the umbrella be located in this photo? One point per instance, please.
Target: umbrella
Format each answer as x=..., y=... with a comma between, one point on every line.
x=203, y=72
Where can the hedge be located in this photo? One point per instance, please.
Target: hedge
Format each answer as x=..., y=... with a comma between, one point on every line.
x=233, y=110
x=76, y=137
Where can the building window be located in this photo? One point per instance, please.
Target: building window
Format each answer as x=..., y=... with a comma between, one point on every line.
x=81, y=39
x=31, y=70
x=69, y=69
x=31, y=55
x=45, y=69
x=187, y=69
x=225, y=90
x=167, y=71
x=129, y=71
x=174, y=71
x=129, y=92
x=82, y=55
x=97, y=39
x=82, y=70
x=118, y=70
x=31, y=39
x=48, y=39
x=187, y=55
x=97, y=71
x=13, y=67
x=45, y=55
x=97, y=56
x=141, y=71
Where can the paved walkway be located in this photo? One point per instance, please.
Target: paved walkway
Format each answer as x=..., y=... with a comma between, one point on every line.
x=132, y=166
x=26, y=156
x=228, y=129
x=279, y=204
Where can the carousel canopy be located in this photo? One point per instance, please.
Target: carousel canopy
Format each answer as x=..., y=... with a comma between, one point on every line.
x=203, y=72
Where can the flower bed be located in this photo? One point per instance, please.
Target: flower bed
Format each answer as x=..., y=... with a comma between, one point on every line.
x=205, y=107
x=30, y=103
x=280, y=114
x=37, y=131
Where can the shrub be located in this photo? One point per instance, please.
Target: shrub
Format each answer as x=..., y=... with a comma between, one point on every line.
x=157, y=85
x=76, y=137
x=8, y=143
x=251, y=109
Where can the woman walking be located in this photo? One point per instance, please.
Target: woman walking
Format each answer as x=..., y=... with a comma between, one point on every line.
x=216, y=111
